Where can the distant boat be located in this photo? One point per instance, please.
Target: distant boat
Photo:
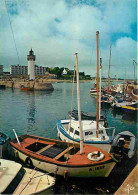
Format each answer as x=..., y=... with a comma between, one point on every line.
x=121, y=100
x=123, y=146
x=106, y=100
x=14, y=179
x=94, y=93
x=132, y=109
x=23, y=88
x=87, y=116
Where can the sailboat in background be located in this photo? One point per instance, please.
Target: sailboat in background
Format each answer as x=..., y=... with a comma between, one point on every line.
x=64, y=158
x=94, y=133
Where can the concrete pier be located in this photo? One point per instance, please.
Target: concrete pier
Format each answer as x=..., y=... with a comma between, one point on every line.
x=130, y=185
x=35, y=85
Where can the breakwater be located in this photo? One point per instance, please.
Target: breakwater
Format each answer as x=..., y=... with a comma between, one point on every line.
x=35, y=85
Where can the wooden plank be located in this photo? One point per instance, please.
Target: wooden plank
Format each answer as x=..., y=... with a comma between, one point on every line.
x=62, y=153
x=43, y=149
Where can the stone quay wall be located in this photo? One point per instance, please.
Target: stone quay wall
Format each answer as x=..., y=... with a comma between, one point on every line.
x=36, y=85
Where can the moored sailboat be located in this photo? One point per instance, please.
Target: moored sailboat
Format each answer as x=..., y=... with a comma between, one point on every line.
x=93, y=132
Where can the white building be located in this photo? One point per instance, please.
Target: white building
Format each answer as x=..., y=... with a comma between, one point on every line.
x=31, y=65
x=1, y=69
x=64, y=72
x=23, y=70
x=39, y=70
x=18, y=70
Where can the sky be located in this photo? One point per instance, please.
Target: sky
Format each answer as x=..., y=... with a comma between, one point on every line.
x=57, y=29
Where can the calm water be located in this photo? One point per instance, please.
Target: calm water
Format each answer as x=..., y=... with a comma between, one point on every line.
x=36, y=113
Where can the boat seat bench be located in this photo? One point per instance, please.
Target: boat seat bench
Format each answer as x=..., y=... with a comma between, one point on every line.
x=62, y=153
x=43, y=149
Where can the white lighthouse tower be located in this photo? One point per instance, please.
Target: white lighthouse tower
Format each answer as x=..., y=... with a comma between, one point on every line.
x=31, y=65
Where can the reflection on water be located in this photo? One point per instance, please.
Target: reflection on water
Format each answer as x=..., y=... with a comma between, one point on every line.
x=31, y=109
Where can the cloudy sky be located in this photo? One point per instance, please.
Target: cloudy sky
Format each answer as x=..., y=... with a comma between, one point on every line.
x=56, y=29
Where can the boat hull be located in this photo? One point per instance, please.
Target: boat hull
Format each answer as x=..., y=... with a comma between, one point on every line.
x=66, y=163
x=104, y=146
x=88, y=171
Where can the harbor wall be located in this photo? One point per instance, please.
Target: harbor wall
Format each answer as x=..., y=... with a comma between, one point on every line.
x=36, y=85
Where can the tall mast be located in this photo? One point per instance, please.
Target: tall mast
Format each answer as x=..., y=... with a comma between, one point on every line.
x=109, y=67
x=97, y=86
x=100, y=88
x=79, y=106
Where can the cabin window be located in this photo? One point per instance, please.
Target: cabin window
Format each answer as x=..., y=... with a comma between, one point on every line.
x=88, y=133
x=77, y=132
x=71, y=129
x=100, y=131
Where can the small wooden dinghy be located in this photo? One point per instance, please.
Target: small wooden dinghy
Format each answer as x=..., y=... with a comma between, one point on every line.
x=63, y=158
x=14, y=179
x=123, y=146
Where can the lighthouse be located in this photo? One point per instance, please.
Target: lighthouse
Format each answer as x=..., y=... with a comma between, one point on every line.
x=31, y=65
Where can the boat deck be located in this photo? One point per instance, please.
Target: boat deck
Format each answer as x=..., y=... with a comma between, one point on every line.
x=58, y=152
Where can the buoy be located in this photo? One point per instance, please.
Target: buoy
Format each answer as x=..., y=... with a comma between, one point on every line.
x=95, y=156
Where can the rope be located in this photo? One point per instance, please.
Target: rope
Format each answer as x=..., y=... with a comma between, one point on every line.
x=12, y=32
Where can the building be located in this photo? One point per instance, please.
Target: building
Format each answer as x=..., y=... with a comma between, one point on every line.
x=18, y=70
x=39, y=70
x=31, y=65
x=23, y=70
x=64, y=72
x=1, y=69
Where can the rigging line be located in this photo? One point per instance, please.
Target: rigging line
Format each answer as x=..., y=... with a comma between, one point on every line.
x=12, y=32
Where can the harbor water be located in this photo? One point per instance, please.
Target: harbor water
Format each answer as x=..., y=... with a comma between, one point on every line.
x=36, y=112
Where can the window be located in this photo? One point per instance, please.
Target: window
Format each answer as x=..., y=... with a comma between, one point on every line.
x=88, y=133
x=71, y=129
x=100, y=131
x=77, y=132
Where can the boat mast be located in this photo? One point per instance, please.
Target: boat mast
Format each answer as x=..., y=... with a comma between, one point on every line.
x=109, y=67
x=79, y=106
x=97, y=87
x=100, y=88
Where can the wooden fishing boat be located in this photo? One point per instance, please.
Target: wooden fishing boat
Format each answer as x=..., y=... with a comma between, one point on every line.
x=14, y=179
x=63, y=158
x=123, y=146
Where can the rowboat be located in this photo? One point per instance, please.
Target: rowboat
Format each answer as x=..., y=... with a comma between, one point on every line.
x=62, y=158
